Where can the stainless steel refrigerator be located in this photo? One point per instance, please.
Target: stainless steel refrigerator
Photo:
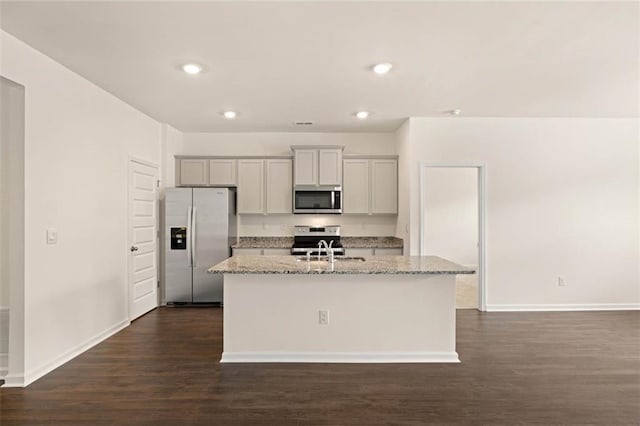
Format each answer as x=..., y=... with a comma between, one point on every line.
x=200, y=226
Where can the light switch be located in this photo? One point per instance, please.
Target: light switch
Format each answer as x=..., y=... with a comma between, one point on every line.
x=52, y=236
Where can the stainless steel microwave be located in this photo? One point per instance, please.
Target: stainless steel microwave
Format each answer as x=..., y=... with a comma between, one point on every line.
x=317, y=199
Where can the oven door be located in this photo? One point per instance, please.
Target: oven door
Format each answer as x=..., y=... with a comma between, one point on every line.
x=323, y=201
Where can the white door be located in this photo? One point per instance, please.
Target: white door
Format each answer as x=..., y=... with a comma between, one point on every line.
x=143, y=247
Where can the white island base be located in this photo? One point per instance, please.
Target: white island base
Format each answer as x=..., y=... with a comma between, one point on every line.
x=375, y=318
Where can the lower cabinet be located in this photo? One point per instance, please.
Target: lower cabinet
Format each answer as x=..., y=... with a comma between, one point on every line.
x=261, y=251
x=377, y=251
x=247, y=251
x=348, y=251
x=358, y=252
x=276, y=252
x=388, y=252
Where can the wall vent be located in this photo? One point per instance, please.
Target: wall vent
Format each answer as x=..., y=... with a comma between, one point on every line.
x=303, y=123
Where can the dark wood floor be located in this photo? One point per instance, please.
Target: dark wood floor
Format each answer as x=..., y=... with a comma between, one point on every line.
x=517, y=368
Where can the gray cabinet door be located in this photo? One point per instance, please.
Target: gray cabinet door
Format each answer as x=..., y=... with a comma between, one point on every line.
x=177, y=262
x=211, y=244
x=193, y=172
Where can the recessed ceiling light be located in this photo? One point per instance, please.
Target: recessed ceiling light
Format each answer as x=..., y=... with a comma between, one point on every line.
x=362, y=114
x=454, y=112
x=229, y=115
x=192, y=69
x=382, y=68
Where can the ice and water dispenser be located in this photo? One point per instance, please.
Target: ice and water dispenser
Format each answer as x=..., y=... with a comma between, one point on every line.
x=179, y=238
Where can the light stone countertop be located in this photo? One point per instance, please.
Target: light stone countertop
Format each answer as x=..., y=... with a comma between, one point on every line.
x=264, y=242
x=347, y=242
x=372, y=265
x=371, y=242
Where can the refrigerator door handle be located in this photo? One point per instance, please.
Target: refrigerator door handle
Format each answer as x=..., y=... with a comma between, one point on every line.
x=189, y=248
x=193, y=237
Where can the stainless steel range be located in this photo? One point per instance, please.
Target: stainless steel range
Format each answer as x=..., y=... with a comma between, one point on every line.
x=307, y=239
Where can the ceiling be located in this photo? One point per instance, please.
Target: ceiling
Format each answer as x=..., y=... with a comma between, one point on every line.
x=279, y=62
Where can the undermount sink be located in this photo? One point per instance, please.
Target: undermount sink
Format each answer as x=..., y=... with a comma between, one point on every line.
x=335, y=258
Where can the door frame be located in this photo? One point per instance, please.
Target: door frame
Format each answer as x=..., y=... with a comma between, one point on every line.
x=482, y=220
x=131, y=159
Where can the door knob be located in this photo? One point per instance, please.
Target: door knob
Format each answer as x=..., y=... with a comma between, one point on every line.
x=134, y=248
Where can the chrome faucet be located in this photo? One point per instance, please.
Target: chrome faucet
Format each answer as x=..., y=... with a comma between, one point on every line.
x=327, y=247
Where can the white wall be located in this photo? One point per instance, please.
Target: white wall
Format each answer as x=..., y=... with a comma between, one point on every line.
x=280, y=143
x=406, y=199
x=562, y=200
x=12, y=229
x=78, y=140
x=351, y=225
x=265, y=144
x=172, y=142
x=451, y=213
x=8, y=107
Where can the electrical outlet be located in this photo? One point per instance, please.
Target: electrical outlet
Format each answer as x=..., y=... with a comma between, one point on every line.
x=323, y=317
x=52, y=236
x=561, y=282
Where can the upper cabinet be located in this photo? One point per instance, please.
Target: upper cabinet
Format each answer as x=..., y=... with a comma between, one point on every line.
x=369, y=183
x=384, y=186
x=206, y=172
x=279, y=187
x=317, y=166
x=355, y=189
x=192, y=172
x=251, y=186
x=330, y=167
x=264, y=186
x=222, y=172
x=306, y=167
x=370, y=186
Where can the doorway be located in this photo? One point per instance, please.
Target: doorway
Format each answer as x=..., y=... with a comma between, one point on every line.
x=452, y=223
x=143, y=238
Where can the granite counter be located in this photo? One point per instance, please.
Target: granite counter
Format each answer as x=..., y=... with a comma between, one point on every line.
x=347, y=242
x=382, y=265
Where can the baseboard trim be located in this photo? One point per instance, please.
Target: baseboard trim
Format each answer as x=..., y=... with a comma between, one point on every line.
x=13, y=382
x=4, y=340
x=571, y=307
x=340, y=357
x=38, y=372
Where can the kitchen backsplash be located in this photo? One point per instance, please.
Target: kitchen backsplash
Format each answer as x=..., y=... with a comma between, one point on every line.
x=282, y=225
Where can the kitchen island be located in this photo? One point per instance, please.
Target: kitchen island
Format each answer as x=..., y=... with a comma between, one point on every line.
x=367, y=309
